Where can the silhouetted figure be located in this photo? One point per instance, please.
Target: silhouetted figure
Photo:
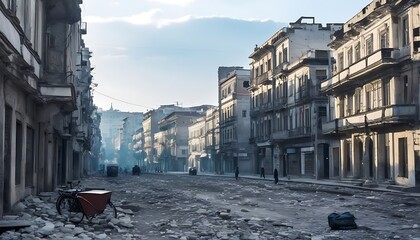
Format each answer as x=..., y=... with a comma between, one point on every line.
x=276, y=176
x=237, y=173
x=262, y=174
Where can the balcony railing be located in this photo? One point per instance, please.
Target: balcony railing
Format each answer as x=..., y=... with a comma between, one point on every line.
x=384, y=116
x=265, y=79
x=306, y=92
x=374, y=62
x=300, y=132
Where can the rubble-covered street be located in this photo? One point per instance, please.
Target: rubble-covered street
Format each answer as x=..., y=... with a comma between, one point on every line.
x=179, y=206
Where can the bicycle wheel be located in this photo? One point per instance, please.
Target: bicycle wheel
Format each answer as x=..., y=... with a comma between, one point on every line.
x=57, y=206
x=109, y=212
x=70, y=209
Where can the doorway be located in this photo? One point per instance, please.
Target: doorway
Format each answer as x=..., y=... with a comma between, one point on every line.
x=7, y=159
x=326, y=148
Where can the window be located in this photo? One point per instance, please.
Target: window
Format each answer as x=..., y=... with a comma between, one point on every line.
x=386, y=93
x=26, y=18
x=280, y=58
x=384, y=41
x=269, y=65
x=285, y=55
x=405, y=33
x=340, y=62
x=340, y=107
x=269, y=95
x=321, y=75
x=349, y=105
x=357, y=52
x=350, y=56
x=369, y=94
x=11, y=4
x=244, y=113
x=307, y=118
x=369, y=45
x=285, y=89
x=358, y=100
x=405, y=87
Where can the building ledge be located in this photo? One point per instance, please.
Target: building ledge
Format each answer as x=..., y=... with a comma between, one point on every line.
x=64, y=93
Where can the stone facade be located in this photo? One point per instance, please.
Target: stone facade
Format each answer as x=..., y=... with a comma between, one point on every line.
x=234, y=115
x=375, y=95
x=45, y=99
x=286, y=106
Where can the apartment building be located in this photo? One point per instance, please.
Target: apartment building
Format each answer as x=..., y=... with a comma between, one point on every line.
x=375, y=94
x=286, y=106
x=45, y=102
x=150, y=128
x=211, y=161
x=196, y=144
x=138, y=147
x=174, y=139
x=234, y=118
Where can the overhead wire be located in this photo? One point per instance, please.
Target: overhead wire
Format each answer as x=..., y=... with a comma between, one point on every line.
x=126, y=102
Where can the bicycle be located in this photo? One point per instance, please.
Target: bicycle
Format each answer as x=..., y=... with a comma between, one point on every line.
x=75, y=204
x=70, y=186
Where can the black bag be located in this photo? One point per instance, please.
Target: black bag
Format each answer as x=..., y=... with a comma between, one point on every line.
x=342, y=221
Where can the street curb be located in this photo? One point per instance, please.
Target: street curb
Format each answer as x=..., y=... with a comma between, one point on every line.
x=308, y=181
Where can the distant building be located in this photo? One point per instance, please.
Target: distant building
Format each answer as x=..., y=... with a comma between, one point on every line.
x=112, y=129
x=234, y=120
x=211, y=161
x=196, y=144
x=174, y=139
x=138, y=147
x=150, y=128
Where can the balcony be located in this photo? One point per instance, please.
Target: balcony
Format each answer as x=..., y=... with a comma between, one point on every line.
x=263, y=79
x=286, y=135
x=280, y=103
x=83, y=28
x=307, y=93
x=280, y=135
x=300, y=132
x=229, y=98
x=64, y=93
x=281, y=68
x=374, y=63
x=382, y=117
x=63, y=11
x=228, y=121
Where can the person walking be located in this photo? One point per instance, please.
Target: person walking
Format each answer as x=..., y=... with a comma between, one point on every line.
x=276, y=176
x=237, y=173
x=262, y=174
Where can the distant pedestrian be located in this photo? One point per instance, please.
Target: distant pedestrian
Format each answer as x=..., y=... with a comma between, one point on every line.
x=237, y=173
x=276, y=176
x=262, y=174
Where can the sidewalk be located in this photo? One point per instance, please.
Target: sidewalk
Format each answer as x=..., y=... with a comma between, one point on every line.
x=396, y=189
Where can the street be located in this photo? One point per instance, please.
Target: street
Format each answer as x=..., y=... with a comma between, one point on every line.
x=180, y=206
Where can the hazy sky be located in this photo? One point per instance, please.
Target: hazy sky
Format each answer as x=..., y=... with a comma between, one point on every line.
x=155, y=52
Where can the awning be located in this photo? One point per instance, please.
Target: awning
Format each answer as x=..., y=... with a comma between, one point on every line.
x=264, y=144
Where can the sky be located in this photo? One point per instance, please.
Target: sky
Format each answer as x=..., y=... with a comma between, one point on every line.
x=148, y=53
